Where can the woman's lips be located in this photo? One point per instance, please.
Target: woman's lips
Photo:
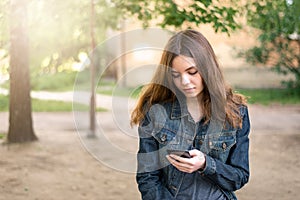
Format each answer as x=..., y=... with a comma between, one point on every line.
x=189, y=89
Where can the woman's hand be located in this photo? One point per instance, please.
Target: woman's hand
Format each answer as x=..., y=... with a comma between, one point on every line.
x=188, y=165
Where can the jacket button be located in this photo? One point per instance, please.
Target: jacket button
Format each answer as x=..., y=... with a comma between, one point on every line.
x=163, y=138
x=200, y=142
x=224, y=145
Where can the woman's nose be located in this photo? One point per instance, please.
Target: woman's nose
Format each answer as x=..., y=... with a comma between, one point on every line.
x=185, y=80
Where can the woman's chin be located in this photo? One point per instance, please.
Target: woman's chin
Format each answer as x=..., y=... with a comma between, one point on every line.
x=190, y=95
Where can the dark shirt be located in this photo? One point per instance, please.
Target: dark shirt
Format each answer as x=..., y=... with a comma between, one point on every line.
x=197, y=187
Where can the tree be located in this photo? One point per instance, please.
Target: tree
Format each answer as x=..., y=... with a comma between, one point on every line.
x=59, y=31
x=64, y=30
x=221, y=14
x=279, y=39
x=20, y=119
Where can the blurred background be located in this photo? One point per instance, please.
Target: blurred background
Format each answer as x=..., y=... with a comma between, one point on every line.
x=51, y=49
x=256, y=42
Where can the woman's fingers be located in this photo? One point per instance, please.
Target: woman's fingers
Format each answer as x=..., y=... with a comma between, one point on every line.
x=182, y=164
x=188, y=165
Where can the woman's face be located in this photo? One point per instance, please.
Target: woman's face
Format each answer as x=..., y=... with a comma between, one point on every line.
x=186, y=77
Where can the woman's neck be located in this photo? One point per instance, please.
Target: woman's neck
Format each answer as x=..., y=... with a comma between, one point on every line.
x=195, y=108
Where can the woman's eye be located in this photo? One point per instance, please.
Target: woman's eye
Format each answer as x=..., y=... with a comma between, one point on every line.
x=193, y=72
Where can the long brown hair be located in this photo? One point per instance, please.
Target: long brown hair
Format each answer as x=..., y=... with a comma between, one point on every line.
x=218, y=100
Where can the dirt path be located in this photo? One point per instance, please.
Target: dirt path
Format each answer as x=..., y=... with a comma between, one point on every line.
x=58, y=166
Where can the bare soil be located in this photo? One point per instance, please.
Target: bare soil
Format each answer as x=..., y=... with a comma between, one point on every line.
x=59, y=167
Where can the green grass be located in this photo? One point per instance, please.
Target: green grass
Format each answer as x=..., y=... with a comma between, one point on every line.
x=62, y=81
x=271, y=96
x=3, y=103
x=119, y=91
x=260, y=96
x=2, y=135
x=48, y=106
x=254, y=96
x=66, y=81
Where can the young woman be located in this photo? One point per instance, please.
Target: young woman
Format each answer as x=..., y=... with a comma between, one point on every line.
x=188, y=107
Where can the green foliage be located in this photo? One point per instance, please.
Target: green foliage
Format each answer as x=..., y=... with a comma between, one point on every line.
x=277, y=20
x=271, y=96
x=59, y=30
x=176, y=13
x=69, y=28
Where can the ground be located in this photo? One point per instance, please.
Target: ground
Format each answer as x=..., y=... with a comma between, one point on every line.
x=58, y=166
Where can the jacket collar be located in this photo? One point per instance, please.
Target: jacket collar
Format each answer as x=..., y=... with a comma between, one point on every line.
x=179, y=109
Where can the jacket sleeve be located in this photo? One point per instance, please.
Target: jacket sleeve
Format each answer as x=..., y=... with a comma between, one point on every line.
x=149, y=174
x=233, y=174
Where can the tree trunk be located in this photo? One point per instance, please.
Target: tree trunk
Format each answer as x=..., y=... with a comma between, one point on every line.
x=20, y=119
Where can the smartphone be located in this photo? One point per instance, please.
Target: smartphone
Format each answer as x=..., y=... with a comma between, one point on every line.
x=181, y=153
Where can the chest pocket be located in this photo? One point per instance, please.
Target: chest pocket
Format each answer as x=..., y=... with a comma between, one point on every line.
x=165, y=136
x=166, y=139
x=220, y=144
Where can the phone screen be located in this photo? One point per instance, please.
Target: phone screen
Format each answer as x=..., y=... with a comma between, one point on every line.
x=182, y=153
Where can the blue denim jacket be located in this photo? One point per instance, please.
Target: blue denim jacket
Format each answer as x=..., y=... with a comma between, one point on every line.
x=168, y=126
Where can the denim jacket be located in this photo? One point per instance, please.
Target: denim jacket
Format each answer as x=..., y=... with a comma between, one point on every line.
x=168, y=126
